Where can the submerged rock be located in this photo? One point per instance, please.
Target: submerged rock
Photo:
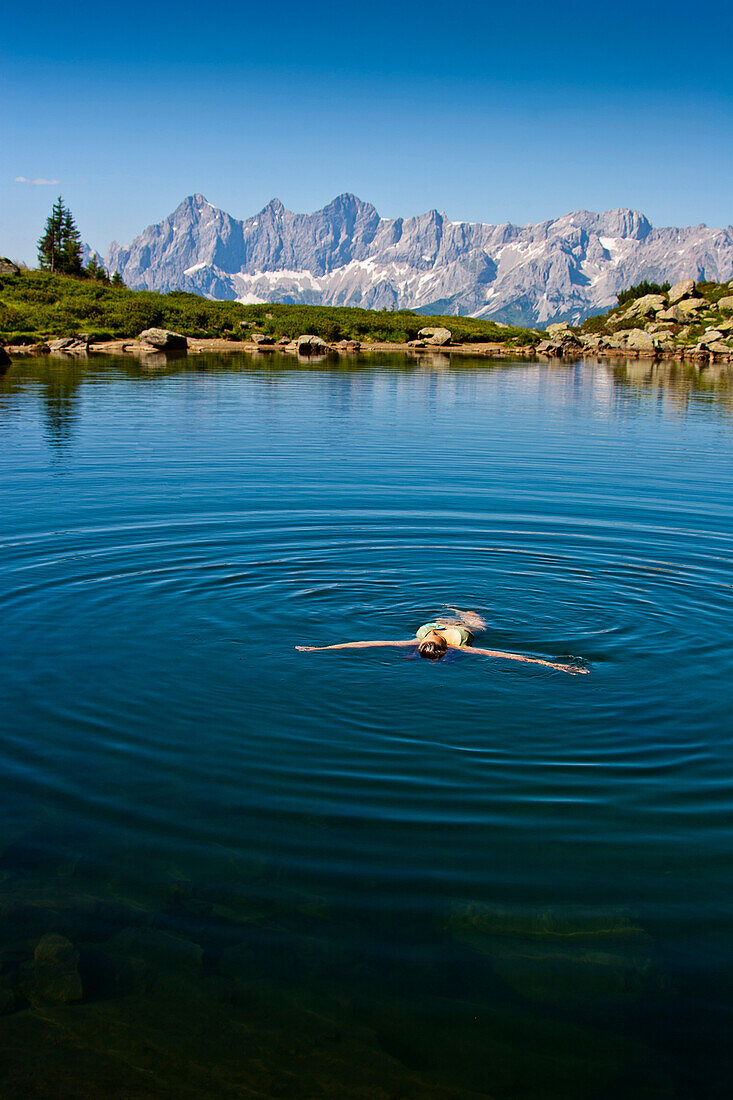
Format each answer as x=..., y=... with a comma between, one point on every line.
x=571, y=959
x=7, y=999
x=55, y=977
x=145, y=960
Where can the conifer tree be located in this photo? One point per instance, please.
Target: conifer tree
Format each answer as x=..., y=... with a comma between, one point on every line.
x=59, y=249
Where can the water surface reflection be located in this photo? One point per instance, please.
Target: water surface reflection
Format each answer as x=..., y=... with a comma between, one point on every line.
x=227, y=868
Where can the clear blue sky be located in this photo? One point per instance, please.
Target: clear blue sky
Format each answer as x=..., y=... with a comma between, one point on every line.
x=516, y=112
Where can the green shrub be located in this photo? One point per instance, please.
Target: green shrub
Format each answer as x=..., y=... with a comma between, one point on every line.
x=20, y=339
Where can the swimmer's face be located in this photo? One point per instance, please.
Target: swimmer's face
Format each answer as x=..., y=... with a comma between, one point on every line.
x=433, y=646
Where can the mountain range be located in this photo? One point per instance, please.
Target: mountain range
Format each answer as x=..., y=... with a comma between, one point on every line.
x=565, y=269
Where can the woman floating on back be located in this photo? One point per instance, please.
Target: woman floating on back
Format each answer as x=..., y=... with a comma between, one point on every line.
x=433, y=640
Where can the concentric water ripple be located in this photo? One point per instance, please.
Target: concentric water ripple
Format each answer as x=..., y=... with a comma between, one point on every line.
x=170, y=541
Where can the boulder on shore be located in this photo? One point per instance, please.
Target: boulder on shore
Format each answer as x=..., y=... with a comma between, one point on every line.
x=671, y=314
x=5, y=359
x=163, y=339
x=438, y=337
x=261, y=339
x=648, y=305
x=685, y=288
x=691, y=305
x=639, y=340
x=311, y=345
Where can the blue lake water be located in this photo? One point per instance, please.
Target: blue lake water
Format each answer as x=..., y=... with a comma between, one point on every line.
x=364, y=874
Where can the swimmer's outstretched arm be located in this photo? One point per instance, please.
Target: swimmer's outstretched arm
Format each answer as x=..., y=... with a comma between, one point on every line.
x=573, y=670
x=354, y=645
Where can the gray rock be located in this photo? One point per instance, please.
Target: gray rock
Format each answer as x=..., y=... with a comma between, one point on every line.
x=639, y=340
x=346, y=254
x=62, y=343
x=5, y=359
x=710, y=335
x=558, y=328
x=719, y=348
x=437, y=337
x=262, y=339
x=311, y=345
x=163, y=339
x=56, y=978
x=7, y=267
x=416, y=343
x=726, y=303
x=690, y=306
x=647, y=306
x=685, y=288
x=283, y=341
x=555, y=349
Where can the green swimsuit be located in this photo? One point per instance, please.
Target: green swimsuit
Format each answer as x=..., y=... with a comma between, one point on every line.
x=466, y=637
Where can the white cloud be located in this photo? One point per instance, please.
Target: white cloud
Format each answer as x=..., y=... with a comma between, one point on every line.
x=36, y=183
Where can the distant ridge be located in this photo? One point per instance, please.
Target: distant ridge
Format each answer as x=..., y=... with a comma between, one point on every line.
x=565, y=269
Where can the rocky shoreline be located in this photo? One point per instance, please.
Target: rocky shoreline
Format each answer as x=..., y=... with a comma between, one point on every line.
x=677, y=325
x=565, y=350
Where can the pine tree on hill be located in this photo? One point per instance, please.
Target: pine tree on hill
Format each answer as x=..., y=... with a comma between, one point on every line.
x=59, y=249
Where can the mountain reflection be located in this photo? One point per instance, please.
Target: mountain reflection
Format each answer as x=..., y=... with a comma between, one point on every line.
x=610, y=385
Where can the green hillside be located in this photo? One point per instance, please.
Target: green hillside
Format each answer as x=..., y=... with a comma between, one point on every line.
x=37, y=305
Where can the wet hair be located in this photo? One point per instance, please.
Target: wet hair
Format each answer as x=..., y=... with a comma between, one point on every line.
x=433, y=651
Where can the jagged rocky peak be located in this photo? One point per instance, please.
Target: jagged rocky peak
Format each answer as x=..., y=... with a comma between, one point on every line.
x=631, y=224
x=274, y=207
x=563, y=269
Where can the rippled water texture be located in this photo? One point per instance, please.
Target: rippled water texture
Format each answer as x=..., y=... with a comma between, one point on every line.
x=362, y=874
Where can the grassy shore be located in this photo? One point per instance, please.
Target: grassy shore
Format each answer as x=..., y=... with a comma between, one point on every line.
x=39, y=305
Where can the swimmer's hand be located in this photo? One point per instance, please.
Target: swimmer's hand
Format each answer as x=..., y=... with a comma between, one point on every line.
x=572, y=670
x=356, y=645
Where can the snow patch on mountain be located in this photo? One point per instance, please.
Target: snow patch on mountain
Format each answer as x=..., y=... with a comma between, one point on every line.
x=346, y=254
